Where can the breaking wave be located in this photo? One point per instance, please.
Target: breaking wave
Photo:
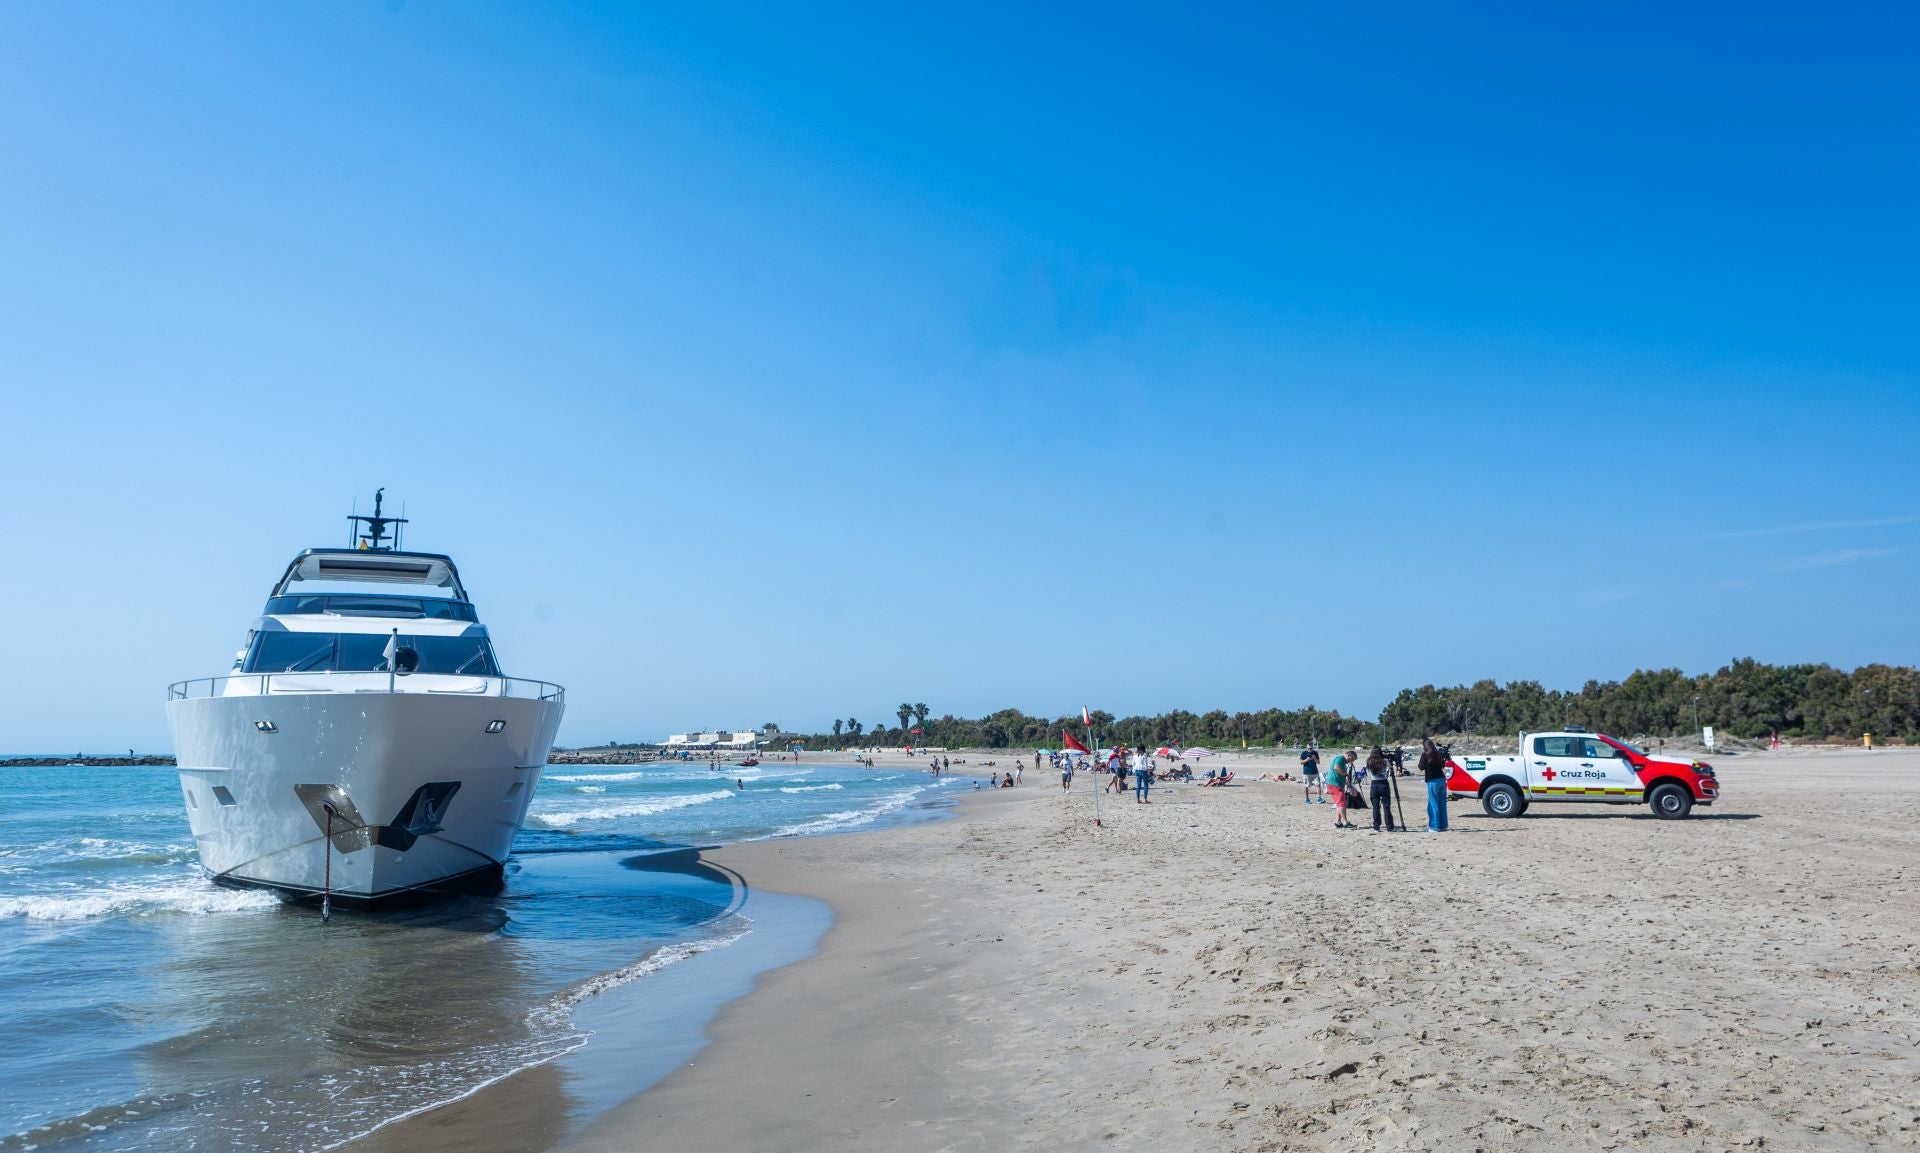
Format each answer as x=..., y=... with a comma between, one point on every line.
x=570, y=817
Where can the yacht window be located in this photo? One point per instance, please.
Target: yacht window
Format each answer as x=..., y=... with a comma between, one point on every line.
x=366, y=653
x=370, y=605
x=305, y=655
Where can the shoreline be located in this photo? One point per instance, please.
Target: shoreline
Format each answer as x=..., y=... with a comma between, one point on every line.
x=636, y=1044
x=804, y=1042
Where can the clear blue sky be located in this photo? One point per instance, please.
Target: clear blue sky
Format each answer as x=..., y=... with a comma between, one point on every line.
x=1132, y=357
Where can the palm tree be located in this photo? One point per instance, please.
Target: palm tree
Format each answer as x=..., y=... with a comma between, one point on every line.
x=836, y=730
x=904, y=712
x=920, y=712
x=854, y=727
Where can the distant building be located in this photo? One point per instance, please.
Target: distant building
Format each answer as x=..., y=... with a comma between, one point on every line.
x=718, y=739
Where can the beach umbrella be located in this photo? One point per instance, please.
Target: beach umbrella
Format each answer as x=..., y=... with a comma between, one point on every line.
x=1044, y=752
x=1197, y=753
x=1164, y=751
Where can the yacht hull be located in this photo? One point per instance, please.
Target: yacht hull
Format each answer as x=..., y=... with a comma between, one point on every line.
x=423, y=798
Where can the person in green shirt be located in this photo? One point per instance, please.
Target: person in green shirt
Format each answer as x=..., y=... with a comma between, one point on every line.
x=1338, y=775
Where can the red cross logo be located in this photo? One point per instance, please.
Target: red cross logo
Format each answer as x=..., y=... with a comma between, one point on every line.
x=1548, y=773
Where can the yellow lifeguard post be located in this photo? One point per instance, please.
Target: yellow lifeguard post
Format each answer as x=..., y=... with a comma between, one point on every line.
x=1866, y=740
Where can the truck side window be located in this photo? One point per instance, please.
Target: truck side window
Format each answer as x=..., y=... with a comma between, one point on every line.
x=1596, y=750
x=1553, y=746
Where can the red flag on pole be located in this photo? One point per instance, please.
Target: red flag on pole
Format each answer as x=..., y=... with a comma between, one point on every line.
x=1086, y=716
x=1067, y=741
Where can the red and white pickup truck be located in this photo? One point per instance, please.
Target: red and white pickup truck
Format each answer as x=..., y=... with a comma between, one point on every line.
x=1579, y=766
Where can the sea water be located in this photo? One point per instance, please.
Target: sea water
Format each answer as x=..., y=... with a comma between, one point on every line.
x=145, y=1007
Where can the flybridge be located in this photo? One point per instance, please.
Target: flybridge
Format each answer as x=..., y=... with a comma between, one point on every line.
x=403, y=568
x=373, y=554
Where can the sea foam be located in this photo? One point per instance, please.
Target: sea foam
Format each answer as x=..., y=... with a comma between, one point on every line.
x=851, y=818
x=570, y=817
x=192, y=896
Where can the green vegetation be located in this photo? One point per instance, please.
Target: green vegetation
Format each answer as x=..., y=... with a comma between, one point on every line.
x=1744, y=699
x=1011, y=728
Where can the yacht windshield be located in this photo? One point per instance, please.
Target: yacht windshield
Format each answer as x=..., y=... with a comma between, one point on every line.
x=366, y=653
x=363, y=605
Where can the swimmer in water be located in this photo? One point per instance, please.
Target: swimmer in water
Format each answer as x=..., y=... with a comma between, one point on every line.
x=739, y=784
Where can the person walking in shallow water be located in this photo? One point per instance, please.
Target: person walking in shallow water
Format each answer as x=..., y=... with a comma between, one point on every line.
x=1433, y=767
x=1379, y=790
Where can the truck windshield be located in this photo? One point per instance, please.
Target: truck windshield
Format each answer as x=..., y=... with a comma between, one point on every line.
x=1634, y=749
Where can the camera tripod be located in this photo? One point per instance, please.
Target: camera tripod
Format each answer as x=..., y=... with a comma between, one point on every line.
x=1393, y=775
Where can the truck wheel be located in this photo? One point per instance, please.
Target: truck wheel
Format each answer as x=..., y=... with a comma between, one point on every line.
x=1671, y=802
x=1502, y=801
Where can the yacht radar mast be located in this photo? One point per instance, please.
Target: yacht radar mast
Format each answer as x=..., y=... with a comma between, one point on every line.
x=376, y=530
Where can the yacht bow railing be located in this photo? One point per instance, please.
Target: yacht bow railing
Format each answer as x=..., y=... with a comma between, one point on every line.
x=265, y=684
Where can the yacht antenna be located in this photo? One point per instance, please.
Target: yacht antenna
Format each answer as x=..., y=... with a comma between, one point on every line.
x=376, y=526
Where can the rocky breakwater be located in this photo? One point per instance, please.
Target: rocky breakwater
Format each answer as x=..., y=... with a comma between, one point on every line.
x=602, y=757
x=88, y=759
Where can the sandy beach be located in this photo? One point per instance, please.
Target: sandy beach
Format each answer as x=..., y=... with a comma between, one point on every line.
x=1223, y=970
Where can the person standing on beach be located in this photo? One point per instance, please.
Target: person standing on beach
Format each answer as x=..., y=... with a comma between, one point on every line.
x=1066, y=772
x=1338, y=783
x=1019, y=770
x=1433, y=767
x=1379, y=790
x=1142, y=776
x=1310, y=773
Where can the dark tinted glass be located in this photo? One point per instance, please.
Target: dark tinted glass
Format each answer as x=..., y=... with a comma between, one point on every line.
x=366, y=653
x=364, y=605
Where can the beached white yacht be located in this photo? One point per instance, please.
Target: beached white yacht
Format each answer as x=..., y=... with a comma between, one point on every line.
x=378, y=713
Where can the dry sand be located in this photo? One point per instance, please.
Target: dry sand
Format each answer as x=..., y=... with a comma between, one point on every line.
x=1222, y=970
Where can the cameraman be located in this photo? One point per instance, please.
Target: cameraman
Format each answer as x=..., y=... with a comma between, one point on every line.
x=1433, y=766
x=1380, y=788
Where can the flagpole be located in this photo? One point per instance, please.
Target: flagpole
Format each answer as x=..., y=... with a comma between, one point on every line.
x=1098, y=791
x=1092, y=744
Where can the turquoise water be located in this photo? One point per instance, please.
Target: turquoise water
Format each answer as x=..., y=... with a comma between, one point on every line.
x=146, y=1008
